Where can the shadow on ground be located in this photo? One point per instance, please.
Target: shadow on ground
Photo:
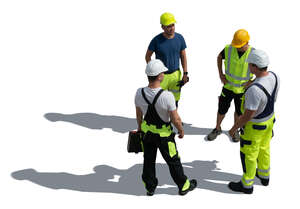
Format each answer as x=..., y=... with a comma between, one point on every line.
x=116, y=123
x=108, y=179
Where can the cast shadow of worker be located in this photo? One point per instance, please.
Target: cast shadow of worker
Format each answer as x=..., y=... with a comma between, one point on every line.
x=116, y=123
x=108, y=179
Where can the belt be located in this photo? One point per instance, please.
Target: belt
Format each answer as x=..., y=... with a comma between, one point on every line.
x=170, y=72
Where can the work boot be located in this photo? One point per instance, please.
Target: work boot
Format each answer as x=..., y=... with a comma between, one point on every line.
x=238, y=187
x=236, y=137
x=264, y=182
x=213, y=135
x=193, y=185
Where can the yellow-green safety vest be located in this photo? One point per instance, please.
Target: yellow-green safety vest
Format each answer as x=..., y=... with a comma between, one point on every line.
x=236, y=69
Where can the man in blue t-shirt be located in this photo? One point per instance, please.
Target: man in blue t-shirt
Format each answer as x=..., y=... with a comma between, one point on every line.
x=169, y=47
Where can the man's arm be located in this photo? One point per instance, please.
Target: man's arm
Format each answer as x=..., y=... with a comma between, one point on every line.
x=248, y=115
x=139, y=117
x=148, y=55
x=184, y=64
x=220, y=64
x=175, y=119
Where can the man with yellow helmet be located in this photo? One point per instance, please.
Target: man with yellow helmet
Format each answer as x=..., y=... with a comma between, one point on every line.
x=236, y=78
x=169, y=47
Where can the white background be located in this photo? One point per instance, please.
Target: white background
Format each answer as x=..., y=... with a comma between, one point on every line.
x=88, y=57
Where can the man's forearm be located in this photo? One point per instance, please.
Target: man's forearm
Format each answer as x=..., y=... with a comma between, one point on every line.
x=139, y=118
x=177, y=123
x=219, y=64
x=184, y=64
x=247, y=116
x=183, y=60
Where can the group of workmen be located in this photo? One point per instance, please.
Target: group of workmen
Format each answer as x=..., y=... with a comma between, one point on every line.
x=254, y=98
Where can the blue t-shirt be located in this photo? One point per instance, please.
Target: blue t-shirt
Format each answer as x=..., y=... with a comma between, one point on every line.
x=168, y=50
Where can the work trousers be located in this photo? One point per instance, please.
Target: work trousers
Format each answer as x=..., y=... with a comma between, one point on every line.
x=170, y=83
x=255, y=150
x=168, y=150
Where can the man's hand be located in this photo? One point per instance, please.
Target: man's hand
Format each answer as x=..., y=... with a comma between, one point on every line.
x=247, y=84
x=181, y=134
x=223, y=79
x=185, y=79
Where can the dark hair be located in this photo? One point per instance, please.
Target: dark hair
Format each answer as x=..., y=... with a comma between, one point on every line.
x=152, y=78
x=260, y=69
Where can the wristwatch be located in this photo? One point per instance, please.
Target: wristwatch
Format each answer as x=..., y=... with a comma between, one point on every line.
x=185, y=73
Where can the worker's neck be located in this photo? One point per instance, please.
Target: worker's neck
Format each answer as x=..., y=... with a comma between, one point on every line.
x=168, y=36
x=154, y=85
x=262, y=74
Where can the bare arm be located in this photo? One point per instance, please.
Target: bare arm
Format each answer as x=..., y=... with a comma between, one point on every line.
x=184, y=65
x=176, y=120
x=183, y=60
x=248, y=115
x=139, y=117
x=221, y=74
x=148, y=55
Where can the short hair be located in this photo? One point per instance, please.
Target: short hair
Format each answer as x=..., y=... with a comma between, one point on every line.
x=152, y=78
x=260, y=69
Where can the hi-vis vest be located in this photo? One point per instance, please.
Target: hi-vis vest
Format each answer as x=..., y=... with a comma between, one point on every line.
x=237, y=71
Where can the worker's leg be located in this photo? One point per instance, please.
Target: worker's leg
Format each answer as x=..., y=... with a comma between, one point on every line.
x=219, y=120
x=165, y=83
x=224, y=103
x=223, y=106
x=237, y=105
x=250, y=146
x=175, y=77
x=169, y=152
x=263, y=166
x=150, y=151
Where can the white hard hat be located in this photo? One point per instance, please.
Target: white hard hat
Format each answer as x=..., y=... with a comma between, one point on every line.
x=155, y=67
x=259, y=58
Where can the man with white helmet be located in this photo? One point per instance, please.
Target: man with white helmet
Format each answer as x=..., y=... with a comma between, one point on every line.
x=169, y=47
x=154, y=109
x=236, y=78
x=256, y=123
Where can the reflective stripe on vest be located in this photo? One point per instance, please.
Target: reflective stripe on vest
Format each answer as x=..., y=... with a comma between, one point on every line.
x=228, y=67
x=236, y=69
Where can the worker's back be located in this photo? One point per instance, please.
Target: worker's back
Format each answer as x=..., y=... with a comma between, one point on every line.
x=164, y=103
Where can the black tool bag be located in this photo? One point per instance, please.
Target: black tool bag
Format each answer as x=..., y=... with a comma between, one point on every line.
x=135, y=141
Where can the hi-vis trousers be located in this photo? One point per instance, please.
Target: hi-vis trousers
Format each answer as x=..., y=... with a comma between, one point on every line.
x=170, y=83
x=167, y=148
x=255, y=150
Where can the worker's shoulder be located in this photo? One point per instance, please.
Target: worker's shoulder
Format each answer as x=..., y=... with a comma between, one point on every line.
x=179, y=35
x=139, y=91
x=255, y=91
x=167, y=96
x=158, y=36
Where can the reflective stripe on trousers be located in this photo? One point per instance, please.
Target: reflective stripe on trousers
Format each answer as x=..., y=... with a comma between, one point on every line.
x=255, y=150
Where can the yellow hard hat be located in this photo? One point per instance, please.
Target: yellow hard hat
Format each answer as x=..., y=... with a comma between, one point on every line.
x=167, y=19
x=240, y=38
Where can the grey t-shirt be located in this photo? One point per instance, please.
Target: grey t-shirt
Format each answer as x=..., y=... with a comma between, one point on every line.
x=256, y=99
x=164, y=104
